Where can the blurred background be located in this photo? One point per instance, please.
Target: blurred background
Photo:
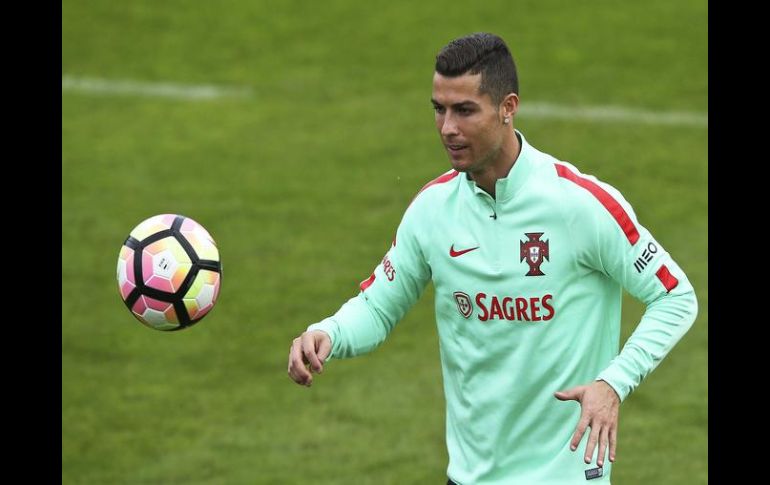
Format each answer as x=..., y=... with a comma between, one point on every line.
x=297, y=133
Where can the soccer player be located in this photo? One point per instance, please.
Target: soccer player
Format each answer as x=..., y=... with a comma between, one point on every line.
x=529, y=258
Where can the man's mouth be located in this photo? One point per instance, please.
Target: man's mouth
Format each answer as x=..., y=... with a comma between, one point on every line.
x=456, y=148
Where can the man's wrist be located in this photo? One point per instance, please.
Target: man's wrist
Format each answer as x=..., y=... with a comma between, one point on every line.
x=615, y=391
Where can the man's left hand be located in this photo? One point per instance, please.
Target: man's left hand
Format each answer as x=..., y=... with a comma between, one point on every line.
x=599, y=405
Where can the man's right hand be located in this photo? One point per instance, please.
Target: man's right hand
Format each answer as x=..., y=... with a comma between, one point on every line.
x=307, y=353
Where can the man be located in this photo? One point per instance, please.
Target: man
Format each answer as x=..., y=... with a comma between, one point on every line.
x=528, y=257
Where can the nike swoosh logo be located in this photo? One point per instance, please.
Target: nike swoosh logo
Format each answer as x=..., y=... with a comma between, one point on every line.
x=454, y=253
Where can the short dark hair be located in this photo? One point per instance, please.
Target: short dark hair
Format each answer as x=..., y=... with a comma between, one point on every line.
x=483, y=53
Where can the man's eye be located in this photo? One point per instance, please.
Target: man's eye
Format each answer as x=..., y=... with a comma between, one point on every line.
x=438, y=109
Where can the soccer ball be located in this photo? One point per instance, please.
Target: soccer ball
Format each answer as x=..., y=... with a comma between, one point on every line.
x=169, y=272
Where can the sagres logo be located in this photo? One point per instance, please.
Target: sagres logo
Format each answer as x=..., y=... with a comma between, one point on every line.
x=463, y=303
x=534, y=251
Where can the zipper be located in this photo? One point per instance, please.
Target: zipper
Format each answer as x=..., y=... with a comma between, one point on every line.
x=491, y=204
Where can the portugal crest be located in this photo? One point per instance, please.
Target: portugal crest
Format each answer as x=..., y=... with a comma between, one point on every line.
x=533, y=250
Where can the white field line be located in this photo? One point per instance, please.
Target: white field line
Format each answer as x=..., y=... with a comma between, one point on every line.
x=138, y=88
x=529, y=109
x=612, y=114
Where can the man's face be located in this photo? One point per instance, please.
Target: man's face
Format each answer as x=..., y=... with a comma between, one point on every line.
x=469, y=123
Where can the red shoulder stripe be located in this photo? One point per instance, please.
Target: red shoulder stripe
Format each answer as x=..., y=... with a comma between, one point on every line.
x=609, y=203
x=440, y=180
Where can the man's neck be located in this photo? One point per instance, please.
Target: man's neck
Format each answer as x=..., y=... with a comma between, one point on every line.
x=502, y=166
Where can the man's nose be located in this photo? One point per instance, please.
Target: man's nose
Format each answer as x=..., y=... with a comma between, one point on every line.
x=448, y=126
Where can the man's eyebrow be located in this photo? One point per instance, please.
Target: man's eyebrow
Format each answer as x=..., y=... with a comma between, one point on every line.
x=461, y=104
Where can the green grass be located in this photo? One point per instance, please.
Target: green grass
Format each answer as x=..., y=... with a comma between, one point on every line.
x=302, y=185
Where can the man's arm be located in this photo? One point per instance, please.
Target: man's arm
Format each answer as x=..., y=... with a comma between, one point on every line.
x=621, y=248
x=649, y=273
x=364, y=321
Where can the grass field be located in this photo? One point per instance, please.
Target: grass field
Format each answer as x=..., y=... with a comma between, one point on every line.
x=302, y=184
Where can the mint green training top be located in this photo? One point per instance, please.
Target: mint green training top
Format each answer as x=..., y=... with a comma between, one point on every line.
x=528, y=289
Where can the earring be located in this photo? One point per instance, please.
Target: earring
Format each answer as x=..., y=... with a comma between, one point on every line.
x=506, y=120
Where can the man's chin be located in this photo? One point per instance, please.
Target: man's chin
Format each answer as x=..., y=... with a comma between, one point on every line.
x=460, y=165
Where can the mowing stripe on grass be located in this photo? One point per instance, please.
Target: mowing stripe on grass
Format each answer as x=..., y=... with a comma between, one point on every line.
x=529, y=109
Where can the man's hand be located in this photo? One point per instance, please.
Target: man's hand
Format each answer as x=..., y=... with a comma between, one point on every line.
x=599, y=405
x=307, y=353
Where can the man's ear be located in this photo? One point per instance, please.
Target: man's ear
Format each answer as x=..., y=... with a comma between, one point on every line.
x=510, y=105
